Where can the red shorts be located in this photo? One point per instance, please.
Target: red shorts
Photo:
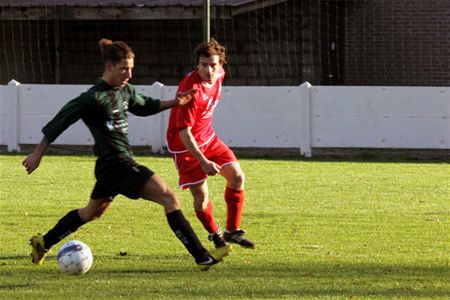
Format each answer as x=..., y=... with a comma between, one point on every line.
x=189, y=170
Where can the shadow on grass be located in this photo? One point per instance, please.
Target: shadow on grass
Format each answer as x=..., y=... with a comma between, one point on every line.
x=359, y=155
x=362, y=158
x=268, y=280
x=3, y=259
x=316, y=280
x=14, y=286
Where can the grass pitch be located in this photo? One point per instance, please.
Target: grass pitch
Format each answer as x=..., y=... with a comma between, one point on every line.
x=325, y=230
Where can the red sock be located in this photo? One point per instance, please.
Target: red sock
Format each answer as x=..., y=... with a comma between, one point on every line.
x=235, y=205
x=207, y=219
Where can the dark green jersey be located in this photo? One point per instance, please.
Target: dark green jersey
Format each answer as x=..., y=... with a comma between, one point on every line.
x=104, y=111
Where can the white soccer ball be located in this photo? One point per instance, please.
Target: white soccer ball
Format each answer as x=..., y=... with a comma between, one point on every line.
x=75, y=258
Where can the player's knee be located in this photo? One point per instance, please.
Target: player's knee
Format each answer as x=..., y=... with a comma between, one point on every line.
x=171, y=200
x=199, y=195
x=200, y=200
x=88, y=215
x=238, y=181
x=201, y=204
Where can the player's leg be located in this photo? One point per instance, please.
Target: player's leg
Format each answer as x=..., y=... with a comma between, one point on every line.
x=204, y=210
x=235, y=198
x=155, y=189
x=193, y=177
x=234, y=194
x=222, y=155
x=68, y=224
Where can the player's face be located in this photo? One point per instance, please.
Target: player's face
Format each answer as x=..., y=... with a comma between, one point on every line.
x=208, y=68
x=121, y=72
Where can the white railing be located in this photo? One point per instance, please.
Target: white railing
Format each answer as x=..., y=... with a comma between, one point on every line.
x=302, y=117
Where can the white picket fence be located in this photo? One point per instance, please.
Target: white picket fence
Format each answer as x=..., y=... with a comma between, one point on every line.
x=302, y=117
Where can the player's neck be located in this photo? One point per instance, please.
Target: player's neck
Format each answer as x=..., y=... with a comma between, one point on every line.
x=207, y=84
x=109, y=81
x=106, y=79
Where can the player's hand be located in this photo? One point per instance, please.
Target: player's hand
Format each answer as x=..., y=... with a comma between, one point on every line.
x=185, y=97
x=31, y=162
x=211, y=168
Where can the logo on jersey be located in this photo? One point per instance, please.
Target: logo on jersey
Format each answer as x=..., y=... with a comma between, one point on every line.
x=117, y=125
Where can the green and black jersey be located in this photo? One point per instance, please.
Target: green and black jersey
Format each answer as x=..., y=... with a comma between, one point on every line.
x=103, y=109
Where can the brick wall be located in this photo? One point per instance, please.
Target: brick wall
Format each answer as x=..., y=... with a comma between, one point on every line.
x=377, y=42
x=401, y=42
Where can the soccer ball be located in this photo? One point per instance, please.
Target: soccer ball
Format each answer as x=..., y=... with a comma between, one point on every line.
x=75, y=258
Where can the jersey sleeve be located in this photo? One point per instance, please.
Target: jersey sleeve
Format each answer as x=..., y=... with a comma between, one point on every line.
x=71, y=112
x=141, y=105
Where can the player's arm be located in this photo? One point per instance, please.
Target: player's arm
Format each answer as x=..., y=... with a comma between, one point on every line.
x=181, y=99
x=32, y=161
x=69, y=114
x=145, y=106
x=209, y=167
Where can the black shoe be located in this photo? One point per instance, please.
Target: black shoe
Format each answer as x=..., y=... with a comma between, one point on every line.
x=217, y=238
x=207, y=264
x=237, y=236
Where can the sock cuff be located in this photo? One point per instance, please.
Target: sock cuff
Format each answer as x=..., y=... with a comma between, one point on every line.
x=208, y=208
x=76, y=218
x=174, y=214
x=233, y=191
x=234, y=195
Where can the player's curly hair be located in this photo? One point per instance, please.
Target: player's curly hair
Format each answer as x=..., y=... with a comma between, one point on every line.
x=207, y=49
x=114, y=52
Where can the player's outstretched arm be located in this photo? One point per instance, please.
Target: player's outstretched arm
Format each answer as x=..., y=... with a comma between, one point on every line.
x=32, y=161
x=185, y=97
x=181, y=100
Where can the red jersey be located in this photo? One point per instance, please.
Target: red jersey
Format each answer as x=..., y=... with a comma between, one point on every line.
x=196, y=114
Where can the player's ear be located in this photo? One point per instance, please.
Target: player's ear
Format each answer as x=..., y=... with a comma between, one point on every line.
x=108, y=66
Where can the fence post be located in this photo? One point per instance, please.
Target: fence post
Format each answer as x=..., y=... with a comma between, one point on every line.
x=157, y=145
x=167, y=92
x=305, y=119
x=12, y=124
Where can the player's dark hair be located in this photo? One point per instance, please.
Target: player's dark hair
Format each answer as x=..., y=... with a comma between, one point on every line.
x=115, y=52
x=207, y=49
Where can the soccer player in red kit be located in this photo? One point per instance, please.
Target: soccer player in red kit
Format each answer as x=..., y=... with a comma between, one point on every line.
x=198, y=152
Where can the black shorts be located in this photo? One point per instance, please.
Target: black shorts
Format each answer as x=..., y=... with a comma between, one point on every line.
x=119, y=177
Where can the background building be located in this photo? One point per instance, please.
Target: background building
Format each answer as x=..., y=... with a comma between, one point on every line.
x=270, y=42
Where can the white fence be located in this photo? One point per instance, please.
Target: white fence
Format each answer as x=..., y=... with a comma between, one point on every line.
x=302, y=117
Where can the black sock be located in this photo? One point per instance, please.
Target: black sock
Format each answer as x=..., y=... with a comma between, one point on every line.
x=183, y=230
x=65, y=226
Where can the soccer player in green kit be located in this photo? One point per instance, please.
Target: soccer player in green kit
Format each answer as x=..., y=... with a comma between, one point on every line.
x=103, y=108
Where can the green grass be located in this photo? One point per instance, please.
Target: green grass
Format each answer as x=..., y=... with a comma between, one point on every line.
x=325, y=230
